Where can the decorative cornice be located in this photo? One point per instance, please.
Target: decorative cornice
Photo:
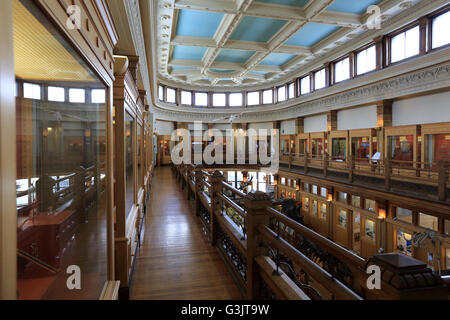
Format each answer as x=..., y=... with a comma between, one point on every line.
x=426, y=79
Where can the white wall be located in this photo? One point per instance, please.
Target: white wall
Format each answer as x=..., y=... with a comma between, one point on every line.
x=427, y=109
x=358, y=118
x=164, y=128
x=261, y=125
x=316, y=123
x=223, y=126
x=288, y=127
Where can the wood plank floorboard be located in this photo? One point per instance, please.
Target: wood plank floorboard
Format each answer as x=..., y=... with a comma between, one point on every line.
x=176, y=261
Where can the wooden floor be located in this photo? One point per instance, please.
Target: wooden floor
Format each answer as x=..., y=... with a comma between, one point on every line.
x=175, y=261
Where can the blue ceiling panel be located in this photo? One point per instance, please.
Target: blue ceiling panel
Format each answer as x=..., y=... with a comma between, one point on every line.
x=277, y=59
x=310, y=34
x=295, y=3
x=221, y=70
x=257, y=29
x=237, y=56
x=352, y=6
x=259, y=72
x=182, y=68
x=188, y=53
x=198, y=23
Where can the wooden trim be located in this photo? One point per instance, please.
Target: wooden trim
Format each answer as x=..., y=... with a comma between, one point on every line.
x=8, y=215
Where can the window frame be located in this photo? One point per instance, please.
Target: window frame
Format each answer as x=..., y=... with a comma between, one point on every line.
x=388, y=43
x=259, y=98
x=285, y=93
x=292, y=83
x=300, y=86
x=166, y=94
x=181, y=98
x=430, y=18
x=242, y=98
x=219, y=93
x=350, y=65
x=315, y=72
x=355, y=60
x=75, y=88
x=273, y=96
x=195, y=99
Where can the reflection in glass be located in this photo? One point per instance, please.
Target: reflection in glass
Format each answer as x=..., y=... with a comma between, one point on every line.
x=361, y=148
x=405, y=215
x=339, y=149
x=401, y=149
x=139, y=156
x=61, y=161
x=370, y=229
x=343, y=218
x=129, y=121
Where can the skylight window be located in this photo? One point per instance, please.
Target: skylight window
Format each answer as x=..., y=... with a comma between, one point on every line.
x=253, y=98
x=405, y=45
x=236, y=99
x=98, y=96
x=281, y=91
x=186, y=98
x=366, y=60
x=32, y=91
x=320, y=80
x=441, y=27
x=201, y=99
x=305, y=85
x=342, y=70
x=268, y=96
x=56, y=94
x=77, y=96
x=171, y=95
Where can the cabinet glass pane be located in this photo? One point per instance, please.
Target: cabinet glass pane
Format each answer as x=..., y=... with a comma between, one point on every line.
x=60, y=165
x=129, y=121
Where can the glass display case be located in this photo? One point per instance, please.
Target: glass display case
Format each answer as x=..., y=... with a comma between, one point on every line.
x=401, y=146
x=129, y=163
x=61, y=130
x=339, y=148
x=436, y=144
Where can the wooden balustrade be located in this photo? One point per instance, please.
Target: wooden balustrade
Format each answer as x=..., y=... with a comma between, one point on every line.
x=248, y=258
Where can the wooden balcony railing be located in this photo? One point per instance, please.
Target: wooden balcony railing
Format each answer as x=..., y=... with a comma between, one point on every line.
x=268, y=263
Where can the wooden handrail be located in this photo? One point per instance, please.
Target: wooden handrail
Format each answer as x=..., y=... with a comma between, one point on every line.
x=337, y=288
x=233, y=189
x=233, y=205
x=331, y=247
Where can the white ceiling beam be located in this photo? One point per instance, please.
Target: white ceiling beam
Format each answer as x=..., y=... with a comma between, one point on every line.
x=207, y=5
x=221, y=65
x=238, y=45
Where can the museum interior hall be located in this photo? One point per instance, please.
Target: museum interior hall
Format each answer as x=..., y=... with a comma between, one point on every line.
x=225, y=150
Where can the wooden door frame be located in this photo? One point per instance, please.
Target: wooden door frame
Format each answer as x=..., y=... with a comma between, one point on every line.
x=8, y=215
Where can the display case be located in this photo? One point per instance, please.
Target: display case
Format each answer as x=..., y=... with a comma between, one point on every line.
x=339, y=148
x=285, y=148
x=318, y=145
x=63, y=151
x=363, y=148
x=402, y=148
x=129, y=197
x=436, y=148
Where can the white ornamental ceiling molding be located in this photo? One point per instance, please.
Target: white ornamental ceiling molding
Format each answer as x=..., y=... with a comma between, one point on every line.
x=354, y=32
x=420, y=76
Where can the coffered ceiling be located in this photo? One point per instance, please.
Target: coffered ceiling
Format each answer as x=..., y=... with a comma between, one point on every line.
x=223, y=44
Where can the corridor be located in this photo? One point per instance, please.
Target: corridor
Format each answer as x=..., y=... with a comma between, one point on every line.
x=175, y=261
